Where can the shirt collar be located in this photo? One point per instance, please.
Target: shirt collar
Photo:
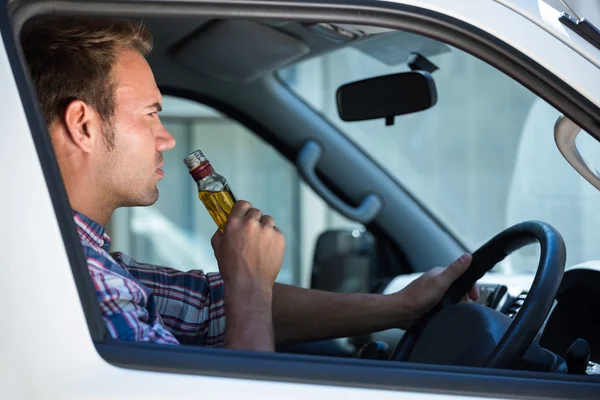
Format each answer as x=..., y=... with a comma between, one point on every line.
x=91, y=231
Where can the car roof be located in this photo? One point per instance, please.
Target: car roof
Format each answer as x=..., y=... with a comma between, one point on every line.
x=546, y=13
x=260, y=47
x=543, y=13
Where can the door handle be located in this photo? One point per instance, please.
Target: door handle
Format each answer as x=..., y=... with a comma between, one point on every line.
x=307, y=160
x=565, y=135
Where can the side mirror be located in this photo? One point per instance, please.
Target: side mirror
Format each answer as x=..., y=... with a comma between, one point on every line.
x=344, y=261
x=386, y=96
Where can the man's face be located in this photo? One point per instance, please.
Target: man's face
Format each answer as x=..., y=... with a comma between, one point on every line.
x=132, y=167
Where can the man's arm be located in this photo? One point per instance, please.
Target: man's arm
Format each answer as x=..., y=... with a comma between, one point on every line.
x=304, y=315
x=301, y=315
x=249, y=320
x=249, y=252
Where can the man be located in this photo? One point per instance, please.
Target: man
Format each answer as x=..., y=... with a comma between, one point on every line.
x=101, y=105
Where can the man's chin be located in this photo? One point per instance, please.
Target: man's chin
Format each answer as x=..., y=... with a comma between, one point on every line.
x=153, y=197
x=144, y=200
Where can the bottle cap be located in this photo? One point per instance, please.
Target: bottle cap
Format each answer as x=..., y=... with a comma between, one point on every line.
x=198, y=165
x=194, y=160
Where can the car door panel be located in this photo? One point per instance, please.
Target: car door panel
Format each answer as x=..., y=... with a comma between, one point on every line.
x=53, y=344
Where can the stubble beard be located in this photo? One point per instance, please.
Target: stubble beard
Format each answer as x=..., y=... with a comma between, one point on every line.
x=129, y=194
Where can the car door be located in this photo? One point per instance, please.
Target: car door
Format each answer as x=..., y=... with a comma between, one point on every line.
x=60, y=347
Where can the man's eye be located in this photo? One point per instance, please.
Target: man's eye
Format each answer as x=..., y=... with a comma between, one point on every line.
x=153, y=114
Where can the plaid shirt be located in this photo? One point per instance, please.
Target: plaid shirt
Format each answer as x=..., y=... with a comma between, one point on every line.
x=148, y=303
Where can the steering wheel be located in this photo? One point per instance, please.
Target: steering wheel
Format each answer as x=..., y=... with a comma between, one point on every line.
x=506, y=340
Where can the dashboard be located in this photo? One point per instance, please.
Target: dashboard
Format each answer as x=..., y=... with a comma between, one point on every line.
x=575, y=315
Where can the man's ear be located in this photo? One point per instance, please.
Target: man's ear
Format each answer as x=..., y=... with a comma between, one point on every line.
x=83, y=125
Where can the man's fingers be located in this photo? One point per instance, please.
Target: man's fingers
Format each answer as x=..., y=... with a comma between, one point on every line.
x=254, y=213
x=240, y=209
x=267, y=220
x=458, y=267
x=474, y=292
x=455, y=270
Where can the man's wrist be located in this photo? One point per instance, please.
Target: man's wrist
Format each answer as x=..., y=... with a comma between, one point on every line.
x=249, y=318
x=248, y=291
x=404, y=313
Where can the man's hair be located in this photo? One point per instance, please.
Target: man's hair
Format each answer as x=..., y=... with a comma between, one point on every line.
x=72, y=58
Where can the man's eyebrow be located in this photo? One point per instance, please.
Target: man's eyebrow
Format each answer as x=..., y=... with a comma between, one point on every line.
x=155, y=105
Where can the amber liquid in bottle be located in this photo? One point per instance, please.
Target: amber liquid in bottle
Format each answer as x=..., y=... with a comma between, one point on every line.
x=218, y=205
x=213, y=189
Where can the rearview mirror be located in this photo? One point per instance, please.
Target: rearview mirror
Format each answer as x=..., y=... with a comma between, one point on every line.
x=386, y=96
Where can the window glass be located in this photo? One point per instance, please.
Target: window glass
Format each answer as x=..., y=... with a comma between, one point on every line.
x=482, y=159
x=176, y=230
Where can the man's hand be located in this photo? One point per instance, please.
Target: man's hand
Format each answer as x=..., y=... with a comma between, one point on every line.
x=249, y=253
x=250, y=249
x=424, y=293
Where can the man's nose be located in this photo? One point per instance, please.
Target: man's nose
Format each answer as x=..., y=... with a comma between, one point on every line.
x=165, y=141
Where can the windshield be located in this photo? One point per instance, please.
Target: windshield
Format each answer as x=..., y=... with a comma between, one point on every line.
x=482, y=159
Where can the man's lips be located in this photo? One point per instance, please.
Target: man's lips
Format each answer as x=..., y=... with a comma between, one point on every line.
x=159, y=168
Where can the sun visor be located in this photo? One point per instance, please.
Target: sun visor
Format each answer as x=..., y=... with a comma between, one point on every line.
x=395, y=48
x=237, y=50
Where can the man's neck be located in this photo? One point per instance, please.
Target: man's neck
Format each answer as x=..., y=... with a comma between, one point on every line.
x=81, y=185
x=90, y=207
x=94, y=213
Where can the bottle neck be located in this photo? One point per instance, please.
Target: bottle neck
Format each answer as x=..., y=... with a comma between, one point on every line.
x=202, y=171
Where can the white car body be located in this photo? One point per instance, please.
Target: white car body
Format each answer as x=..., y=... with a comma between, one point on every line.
x=45, y=346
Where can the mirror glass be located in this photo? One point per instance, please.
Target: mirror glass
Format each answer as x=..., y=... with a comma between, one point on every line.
x=344, y=261
x=386, y=96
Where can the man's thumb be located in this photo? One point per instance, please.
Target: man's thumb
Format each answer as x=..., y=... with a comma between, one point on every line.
x=215, y=241
x=458, y=267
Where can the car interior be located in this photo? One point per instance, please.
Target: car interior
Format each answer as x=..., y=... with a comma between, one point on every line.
x=540, y=318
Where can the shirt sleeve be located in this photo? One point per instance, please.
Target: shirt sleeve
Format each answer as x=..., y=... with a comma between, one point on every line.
x=191, y=304
x=122, y=301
